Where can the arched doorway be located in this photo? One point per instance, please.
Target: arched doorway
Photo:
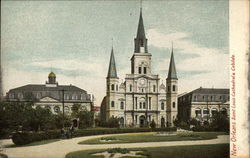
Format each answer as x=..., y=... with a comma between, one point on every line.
x=224, y=111
x=162, y=122
x=75, y=123
x=142, y=120
x=121, y=122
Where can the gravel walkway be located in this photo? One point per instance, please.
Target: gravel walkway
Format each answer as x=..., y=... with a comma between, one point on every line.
x=60, y=148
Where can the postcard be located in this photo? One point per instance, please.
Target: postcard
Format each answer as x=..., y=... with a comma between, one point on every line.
x=116, y=79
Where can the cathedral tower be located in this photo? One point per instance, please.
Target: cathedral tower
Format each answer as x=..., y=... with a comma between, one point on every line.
x=172, y=91
x=141, y=59
x=112, y=82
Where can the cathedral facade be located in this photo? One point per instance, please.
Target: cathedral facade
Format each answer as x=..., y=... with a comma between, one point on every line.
x=141, y=98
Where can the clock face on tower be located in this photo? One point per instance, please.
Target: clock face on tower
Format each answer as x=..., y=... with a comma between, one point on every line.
x=142, y=82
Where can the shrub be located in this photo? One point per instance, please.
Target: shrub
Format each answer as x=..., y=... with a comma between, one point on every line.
x=108, y=138
x=153, y=124
x=112, y=122
x=118, y=150
x=3, y=155
x=22, y=138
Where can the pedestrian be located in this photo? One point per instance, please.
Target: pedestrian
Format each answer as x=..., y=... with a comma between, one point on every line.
x=62, y=133
x=71, y=131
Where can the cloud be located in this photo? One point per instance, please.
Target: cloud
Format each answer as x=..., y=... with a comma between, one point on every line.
x=208, y=68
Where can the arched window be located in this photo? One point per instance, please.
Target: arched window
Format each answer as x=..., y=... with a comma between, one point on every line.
x=173, y=87
x=141, y=43
x=112, y=87
x=66, y=109
x=224, y=111
x=205, y=111
x=149, y=102
x=139, y=70
x=197, y=112
x=56, y=109
x=144, y=105
x=122, y=105
x=145, y=70
x=162, y=106
x=140, y=105
x=135, y=102
x=173, y=104
x=195, y=98
x=214, y=111
x=112, y=104
x=154, y=88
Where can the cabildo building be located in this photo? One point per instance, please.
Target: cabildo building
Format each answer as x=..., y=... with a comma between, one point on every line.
x=50, y=96
x=141, y=98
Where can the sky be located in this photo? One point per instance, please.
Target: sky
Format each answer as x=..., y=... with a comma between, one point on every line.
x=74, y=40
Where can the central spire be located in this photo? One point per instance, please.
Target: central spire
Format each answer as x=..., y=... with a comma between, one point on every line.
x=141, y=40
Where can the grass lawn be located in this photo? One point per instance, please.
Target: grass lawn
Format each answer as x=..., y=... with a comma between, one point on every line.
x=195, y=151
x=152, y=137
x=34, y=143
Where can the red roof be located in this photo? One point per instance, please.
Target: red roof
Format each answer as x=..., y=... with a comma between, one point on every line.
x=96, y=108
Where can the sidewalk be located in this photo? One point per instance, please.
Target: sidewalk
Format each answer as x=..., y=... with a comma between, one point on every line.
x=60, y=148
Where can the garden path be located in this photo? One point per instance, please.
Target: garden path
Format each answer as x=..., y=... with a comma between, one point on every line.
x=60, y=148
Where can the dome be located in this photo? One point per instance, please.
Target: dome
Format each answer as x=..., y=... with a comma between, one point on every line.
x=52, y=74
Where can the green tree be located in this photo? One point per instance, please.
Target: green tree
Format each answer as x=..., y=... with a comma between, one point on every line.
x=86, y=118
x=220, y=122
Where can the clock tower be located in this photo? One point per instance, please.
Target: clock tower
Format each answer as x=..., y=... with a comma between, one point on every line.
x=141, y=99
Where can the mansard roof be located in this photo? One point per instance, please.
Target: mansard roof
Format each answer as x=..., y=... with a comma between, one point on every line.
x=211, y=91
x=43, y=87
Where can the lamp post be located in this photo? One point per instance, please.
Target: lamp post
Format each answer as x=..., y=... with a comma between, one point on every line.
x=63, y=104
x=207, y=109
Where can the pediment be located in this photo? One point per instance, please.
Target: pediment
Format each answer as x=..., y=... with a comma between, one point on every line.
x=48, y=99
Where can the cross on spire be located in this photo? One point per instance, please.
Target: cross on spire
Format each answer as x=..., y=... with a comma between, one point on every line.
x=112, y=42
x=140, y=5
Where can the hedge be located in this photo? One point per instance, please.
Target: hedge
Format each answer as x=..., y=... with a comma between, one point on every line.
x=22, y=138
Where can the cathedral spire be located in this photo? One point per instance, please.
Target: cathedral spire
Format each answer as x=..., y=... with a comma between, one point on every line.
x=141, y=40
x=172, y=71
x=112, y=68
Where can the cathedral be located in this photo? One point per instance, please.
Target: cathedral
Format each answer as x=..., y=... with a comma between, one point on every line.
x=141, y=98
